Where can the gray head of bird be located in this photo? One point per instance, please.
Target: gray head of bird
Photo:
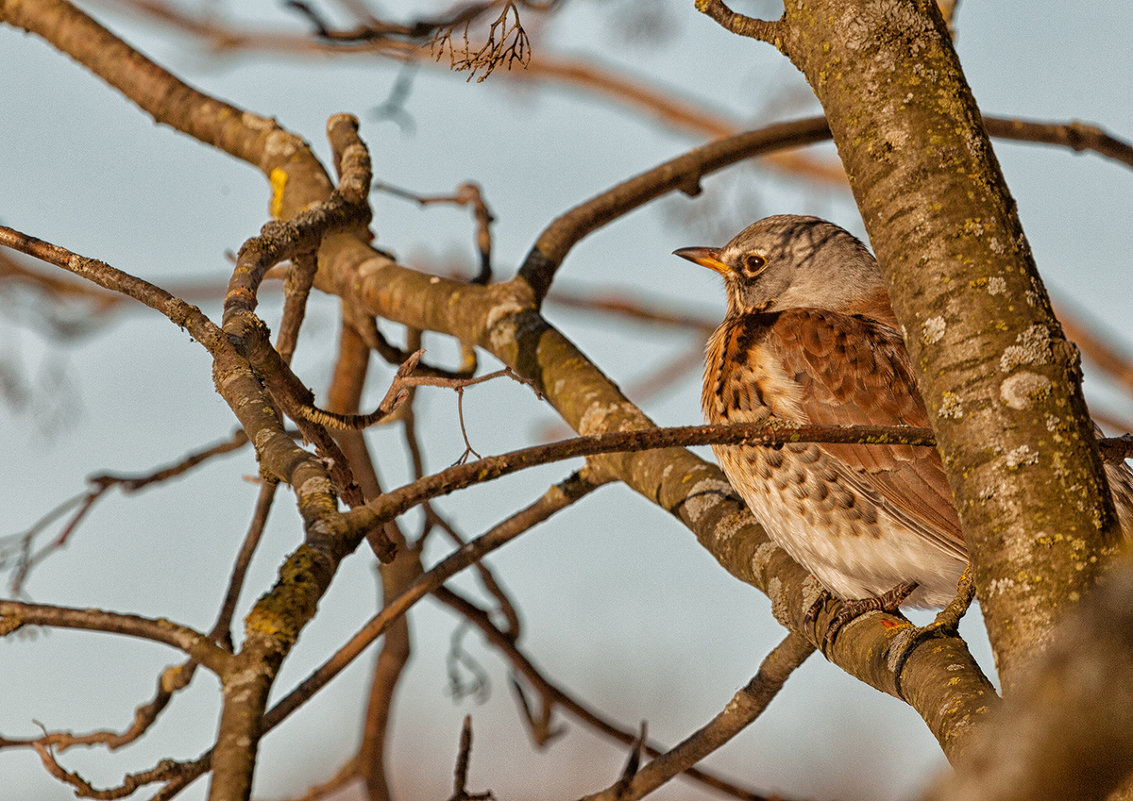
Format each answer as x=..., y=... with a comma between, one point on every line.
x=794, y=262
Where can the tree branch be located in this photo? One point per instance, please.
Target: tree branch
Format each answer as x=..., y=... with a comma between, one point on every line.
x=741, y=711
x=683, y=172
x=552, y=695
x=763, y=30
x=16, y=614
x=1064, y=731
x=948, y=206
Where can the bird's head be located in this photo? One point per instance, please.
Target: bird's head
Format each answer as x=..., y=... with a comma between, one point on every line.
x=792, y=262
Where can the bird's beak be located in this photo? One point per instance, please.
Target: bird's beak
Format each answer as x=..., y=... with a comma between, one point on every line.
x=705, y=257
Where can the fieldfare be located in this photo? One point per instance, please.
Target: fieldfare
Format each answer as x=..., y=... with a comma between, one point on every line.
x=810, y=336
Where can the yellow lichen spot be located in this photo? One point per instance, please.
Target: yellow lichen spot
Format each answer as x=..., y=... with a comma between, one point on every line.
x=278, y=183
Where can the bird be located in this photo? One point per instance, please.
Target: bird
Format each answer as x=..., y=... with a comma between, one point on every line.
x=810, y=337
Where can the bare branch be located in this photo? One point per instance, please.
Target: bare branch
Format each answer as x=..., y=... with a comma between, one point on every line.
x=747, y=705
x=459, y=476
x=763, y=30
x=507, y=43
x=15, y=614
x=164, y=771
x=467, y=194
x=550, y=696
x=398, y=393
x=460, y=773
x=100, y=485
x=683, y=172
x=1075, y=135
x=555, y=499
x=505, y=605
x=1064, y=732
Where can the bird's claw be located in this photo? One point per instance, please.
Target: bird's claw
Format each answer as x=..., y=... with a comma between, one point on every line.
x=947, y=620
x=886, y=602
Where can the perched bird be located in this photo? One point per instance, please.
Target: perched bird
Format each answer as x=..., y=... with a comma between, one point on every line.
x=810, y=337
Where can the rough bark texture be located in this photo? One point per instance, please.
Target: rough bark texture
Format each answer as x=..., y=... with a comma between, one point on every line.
x=999, y=378
x=502, y=319
x=1065, y=732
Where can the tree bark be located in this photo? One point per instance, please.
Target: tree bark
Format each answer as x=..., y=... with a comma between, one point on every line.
x=1000, y=380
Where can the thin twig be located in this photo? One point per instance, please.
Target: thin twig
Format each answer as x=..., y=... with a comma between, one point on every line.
x=550, y=695
x=221, y=628
x=467, y=194
x=555, y=499
x=747, y=705
x=463, y=761
x=346, y=773
x=396, y=501
x=100, y=485
x=491, y=584
x=507, y=43
x=459, y=476
x=15, y=614
x=162, y=772
x=398, y=392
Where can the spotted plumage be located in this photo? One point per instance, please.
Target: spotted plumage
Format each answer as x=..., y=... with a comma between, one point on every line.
x=810, y=337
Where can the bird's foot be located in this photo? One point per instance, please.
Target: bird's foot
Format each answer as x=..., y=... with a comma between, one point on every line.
x=886, y=602
x=824, y=596
x=945, y=624
x=947, y=620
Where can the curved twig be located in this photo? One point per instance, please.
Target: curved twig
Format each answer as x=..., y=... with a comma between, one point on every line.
x=15, y=614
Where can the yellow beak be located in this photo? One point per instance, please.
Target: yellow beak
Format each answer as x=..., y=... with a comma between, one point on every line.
x=705, y=257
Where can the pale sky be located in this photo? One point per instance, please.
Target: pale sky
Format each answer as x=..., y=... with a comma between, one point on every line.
x=620, y=604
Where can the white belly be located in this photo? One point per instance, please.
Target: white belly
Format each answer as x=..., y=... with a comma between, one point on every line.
x=846, y=540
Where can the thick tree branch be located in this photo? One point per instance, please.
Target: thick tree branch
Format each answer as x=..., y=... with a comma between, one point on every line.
x=1000, y=380
x=502, y=319
x=1064, y=732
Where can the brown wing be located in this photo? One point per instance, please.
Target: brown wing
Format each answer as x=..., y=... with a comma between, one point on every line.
x=851, y=371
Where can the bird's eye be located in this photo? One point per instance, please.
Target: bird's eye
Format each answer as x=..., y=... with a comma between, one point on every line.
x=754, y=264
